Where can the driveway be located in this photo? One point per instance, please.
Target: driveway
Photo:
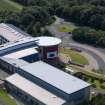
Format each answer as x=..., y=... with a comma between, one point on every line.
x=67, y=41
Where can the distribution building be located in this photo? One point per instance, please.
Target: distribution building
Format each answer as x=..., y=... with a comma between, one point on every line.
x=31, y=92
x=32, y=79
x=68, y=87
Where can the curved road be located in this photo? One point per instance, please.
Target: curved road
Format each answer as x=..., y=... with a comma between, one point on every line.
x=100, y=57
x=97, y=55
x=67, y=41
x=90, y=60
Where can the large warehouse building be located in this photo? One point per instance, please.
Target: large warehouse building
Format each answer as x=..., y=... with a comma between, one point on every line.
x=31, y=92
x=56, y=81
x=33, y=80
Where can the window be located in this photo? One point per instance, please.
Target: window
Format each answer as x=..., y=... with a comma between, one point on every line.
x=52, y=54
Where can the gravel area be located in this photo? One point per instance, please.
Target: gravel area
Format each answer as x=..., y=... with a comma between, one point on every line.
x=3, y=74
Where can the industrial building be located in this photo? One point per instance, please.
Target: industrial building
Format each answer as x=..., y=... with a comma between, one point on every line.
x=13, y=34
x=29, y=55
x=31, y=92
x=56, y=81
x=31, y=78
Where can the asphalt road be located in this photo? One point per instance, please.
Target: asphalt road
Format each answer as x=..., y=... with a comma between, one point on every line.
x=97, y=53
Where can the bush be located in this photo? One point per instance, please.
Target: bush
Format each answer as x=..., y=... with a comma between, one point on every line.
x=85, y=78
x=102, y=86
x=92, y=79
x=94, y=85
x=79, y=75
x=89, y=36
x=101, y=81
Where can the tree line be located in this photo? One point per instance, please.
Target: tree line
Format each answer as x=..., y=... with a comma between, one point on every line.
x=38, y=13
x=86, y=14
x=30, y=19
x=89, y=36
x=83, y=12
x=96, y=100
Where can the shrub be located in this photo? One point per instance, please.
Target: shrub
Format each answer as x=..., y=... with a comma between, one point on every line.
x=102, y=86
x=94, y=85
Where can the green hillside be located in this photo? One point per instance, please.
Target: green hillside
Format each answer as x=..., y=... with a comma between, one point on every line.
x=9, y=5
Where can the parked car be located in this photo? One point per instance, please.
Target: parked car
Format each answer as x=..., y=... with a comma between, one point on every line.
x=69, y=32
x=76, y=49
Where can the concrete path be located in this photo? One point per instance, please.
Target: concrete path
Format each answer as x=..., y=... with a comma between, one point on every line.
x=92, y=62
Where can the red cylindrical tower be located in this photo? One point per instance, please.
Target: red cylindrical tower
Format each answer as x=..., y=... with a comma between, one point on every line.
x=49, y=47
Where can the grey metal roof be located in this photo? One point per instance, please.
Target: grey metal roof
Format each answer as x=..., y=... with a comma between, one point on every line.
x=22, y=53
x=34, y=90
x=55, y=77
x=10, y=32
x=18, y=29
x=15, y=62
x=13, y=45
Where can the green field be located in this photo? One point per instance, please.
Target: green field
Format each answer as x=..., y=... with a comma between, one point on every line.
x=75, y=56
x=10, y=6
x=66, y=27
x=96, y=82
x=5, y=98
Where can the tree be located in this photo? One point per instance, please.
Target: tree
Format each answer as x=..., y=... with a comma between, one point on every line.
x=98, y=100
x=96, y=20
x=89, y=36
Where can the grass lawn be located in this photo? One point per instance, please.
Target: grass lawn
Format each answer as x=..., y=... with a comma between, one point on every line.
x=66, y=27
x=10, y=5
x=98, y=84
x=4, y=96
x=75, y=56
x=89, y=73
x=96, y=81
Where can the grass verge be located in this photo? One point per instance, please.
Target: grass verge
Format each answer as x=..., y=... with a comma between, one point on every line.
x=66, y=27
x=10, y=5
x=4, y=96
x=75, y=56
x=95, y=79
